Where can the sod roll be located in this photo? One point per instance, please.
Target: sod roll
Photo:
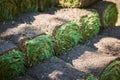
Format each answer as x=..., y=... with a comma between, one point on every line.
x=27, y=5
x=11, y=65
x=89, y=26
x=76, y=3
x=8, y=10
x=38, y=49
x=112, y=71
x=108, y=13
x=44, y=4
x=67, y=36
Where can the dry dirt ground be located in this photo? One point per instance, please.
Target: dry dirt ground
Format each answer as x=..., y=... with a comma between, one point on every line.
x=91, y=57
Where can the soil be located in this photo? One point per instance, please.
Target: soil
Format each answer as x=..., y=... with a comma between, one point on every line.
x=90, y=58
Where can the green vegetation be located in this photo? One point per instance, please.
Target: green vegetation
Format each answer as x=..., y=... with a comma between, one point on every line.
x=39, y=49
x=112, y=71
x=67, y=36
x=91, y=77
x=27, y=5
x=11, y=65
x=110, y=15
x=90, y=26
x=44, y=4
x=69, y=3
x=8, y=10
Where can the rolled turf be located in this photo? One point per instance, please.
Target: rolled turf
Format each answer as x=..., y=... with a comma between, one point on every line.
x=90, y=26
x=112, y=71
x=108, y=13
x=76, y=3
x=8, y=10
x=44, y=4
x=27, y=5
x=38, y=49
x=11, y=65
x=67, y=36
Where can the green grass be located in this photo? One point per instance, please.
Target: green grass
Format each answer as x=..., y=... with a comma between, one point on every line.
x=67, y=36
x=112, y=71
x=39, y=49
x=90, y=26
x=69, y=3
x=8, y=10
x=110, y=15
x=11, y=65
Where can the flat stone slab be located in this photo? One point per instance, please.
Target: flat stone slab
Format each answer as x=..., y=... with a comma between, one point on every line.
x=55, y=69
x=5, y=46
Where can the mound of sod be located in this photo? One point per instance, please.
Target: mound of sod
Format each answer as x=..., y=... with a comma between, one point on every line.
x=76, y=3
x=27, y=5
x=91, y=77
x=112, y=71
x=8, y=10
x=38, y=49
x=44, y=4
x=11, y=65
x=67, y=36
x=108, y=13
x=89, y=26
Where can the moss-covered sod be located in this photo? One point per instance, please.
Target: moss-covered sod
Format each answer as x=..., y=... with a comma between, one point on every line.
x=91, y=77
x=90, y=26
x=11, y=65
x=69, y=3
x=8, y=10
x=76, y=3
x=67, y=36
x=38, y=49
x=108, y=13
x=112, y=71
x=27, y=5
x=44, y=4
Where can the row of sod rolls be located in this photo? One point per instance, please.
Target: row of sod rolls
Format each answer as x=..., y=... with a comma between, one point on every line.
x=110, y=72
x=9, y=9
x=11, y=65
x=74, y=32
